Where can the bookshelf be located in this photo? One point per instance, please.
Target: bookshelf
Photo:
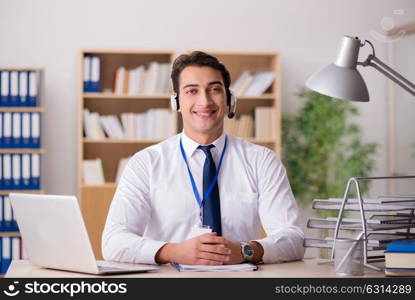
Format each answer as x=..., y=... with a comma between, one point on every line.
x=20, y=148
x=95, y=199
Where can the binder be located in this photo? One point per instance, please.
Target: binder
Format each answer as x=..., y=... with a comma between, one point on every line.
x=2, y=227
x=7, y=130
x=35, y=171
x=87, y=74
x=6, y=254
x=16, y=172
x=16, y=247
x=95, y=74
x=4, y=100
x=33, y=88
x=14, y=88
x=16, y=130
x=7, y=217
x=35, y=130
x=26, y=171
x=25, y=141
x=1, y=130
x=7, y=172
x=23, y=88
x=1, y=172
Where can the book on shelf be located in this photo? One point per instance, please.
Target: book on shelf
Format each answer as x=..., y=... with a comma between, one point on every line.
x=93, y=172
x=241, y=126
x=156, y=123
x=252, y=84
x=120, y=168
x=143, y=80
x=263, y=121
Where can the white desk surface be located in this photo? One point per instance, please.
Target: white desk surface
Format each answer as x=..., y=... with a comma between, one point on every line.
x=305, y=268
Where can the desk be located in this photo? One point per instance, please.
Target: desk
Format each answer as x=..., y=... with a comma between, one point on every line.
x=304, y=268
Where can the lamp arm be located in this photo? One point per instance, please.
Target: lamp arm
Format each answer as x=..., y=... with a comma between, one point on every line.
x=376, y=63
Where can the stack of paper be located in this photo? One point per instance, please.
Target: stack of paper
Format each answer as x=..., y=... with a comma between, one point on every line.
x=205, y=268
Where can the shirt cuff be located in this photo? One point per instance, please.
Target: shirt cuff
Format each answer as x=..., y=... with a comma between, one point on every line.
x=149, y=251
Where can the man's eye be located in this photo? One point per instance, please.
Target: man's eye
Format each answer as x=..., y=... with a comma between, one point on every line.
x=215, y=90
x=191, y=92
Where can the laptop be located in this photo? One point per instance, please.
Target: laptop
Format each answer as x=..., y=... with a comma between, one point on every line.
x=55, y=236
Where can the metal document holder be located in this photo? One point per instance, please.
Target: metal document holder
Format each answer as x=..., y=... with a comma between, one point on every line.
x=399, y=221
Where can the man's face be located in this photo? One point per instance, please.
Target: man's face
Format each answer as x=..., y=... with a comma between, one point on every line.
x=202, y=100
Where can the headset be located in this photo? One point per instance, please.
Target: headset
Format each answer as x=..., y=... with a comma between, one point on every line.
x=230, y=101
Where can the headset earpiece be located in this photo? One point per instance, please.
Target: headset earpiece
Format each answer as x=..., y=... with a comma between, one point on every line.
x=174, y=102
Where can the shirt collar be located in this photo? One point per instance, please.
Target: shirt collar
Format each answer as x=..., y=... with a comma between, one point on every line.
x=190, y=146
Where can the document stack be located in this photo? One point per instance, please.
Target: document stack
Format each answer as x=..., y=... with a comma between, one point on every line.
x=20, y=150
x=377, y=221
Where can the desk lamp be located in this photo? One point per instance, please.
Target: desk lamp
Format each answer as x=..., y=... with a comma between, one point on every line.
x=341, y=79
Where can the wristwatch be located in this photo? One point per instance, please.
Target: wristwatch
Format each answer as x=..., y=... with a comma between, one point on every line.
x=247, y=251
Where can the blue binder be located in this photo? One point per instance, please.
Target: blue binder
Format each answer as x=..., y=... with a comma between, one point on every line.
x=35, y=130
x=5, y=88
x=26, y=140
x=7, y=130
x=7, y=172
x=14, y=89
x=33, y=88
x=16, y=129
x=35, y=171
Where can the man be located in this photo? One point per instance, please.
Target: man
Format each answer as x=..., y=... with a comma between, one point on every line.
x=170, y=192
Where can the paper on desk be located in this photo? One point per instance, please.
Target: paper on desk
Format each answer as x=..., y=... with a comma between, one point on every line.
x=215, y=268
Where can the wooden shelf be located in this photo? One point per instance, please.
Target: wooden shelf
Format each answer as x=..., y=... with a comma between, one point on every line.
x=121, y=141
x=21, y=109
x=21, y=150
x=124, y=96
x=6, y=192
x=10, y=233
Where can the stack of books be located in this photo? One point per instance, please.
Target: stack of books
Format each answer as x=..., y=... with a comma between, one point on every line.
x=253, y=84
x=400, y=258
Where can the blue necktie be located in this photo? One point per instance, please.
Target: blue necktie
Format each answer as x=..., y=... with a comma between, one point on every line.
x=211, y=207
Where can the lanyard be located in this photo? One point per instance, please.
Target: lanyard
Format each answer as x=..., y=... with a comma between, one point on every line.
x=211, y=185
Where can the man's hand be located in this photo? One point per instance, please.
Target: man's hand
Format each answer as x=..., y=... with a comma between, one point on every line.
x=206, y=249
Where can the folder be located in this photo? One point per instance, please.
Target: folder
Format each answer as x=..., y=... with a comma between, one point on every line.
x=16, y=136
x=7, y=172
x=14, y=88
x=16, y=247
x=25, y=141
x=16, y=172
x=2, y=227
x=33, y=88
x=4, y=100
x=1, y=172
x=7, y=216
x=35, y=130
x=87, y=74
x=1, y=130
x=35, y=171
x=7, y=130
x=23, y=88
x=6, y=254
x=95, y=74
x=26, y=172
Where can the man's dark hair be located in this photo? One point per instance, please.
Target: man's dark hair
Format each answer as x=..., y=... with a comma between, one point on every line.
x=200, y=59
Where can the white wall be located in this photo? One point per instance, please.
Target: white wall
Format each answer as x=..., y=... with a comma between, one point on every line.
x=50, y=34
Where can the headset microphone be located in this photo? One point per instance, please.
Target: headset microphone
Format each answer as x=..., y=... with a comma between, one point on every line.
x=231, y=115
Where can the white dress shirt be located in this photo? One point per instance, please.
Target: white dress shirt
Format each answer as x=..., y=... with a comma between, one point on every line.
x=154, y=202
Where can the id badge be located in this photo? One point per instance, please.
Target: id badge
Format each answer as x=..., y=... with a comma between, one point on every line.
x=199, y=230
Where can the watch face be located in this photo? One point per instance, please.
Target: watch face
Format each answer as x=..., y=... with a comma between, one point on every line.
x=248, y=250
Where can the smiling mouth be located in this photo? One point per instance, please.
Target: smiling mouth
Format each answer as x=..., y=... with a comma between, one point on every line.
x=204, y=114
